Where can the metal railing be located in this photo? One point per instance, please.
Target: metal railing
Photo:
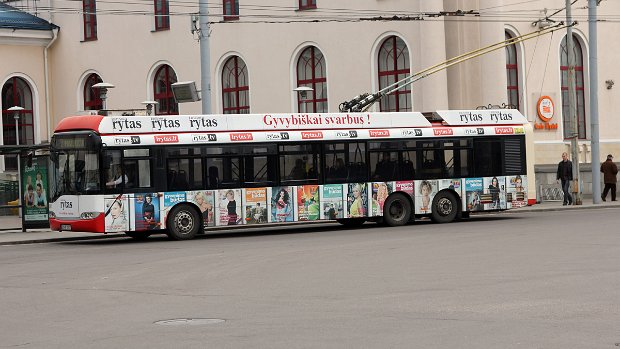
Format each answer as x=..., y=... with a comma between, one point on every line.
x=551, y=193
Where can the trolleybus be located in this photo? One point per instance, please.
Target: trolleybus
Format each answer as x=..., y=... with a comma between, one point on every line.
x=185, y=175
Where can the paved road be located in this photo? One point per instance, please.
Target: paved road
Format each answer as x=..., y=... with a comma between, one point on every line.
x=528, y=280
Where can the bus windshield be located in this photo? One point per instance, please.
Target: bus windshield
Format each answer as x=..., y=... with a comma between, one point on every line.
x=75, y=167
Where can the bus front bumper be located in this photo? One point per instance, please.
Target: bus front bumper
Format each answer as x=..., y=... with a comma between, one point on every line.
x=95, y=225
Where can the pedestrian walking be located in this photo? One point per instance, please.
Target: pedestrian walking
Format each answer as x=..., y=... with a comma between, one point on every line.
x=565, y=174
x=609, y=170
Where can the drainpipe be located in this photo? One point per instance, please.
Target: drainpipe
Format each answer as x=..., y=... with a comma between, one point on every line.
x=47, y=88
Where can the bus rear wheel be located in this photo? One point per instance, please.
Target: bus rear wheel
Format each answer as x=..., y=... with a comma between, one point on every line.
x=138, y=235
x=396, y=210
x=445, y=207
x=183, y=223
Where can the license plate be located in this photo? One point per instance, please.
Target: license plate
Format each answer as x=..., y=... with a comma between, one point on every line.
x=65, y=227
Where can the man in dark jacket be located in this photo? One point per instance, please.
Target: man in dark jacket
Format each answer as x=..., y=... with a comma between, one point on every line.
x=609, y=170
x=565, y=174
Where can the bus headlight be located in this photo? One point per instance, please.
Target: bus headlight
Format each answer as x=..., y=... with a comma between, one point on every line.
x=52, y=215
x=89, y=215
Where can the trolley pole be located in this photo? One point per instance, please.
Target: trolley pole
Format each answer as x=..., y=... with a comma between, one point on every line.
x=205, y=56
x=572, y=101
x=596, y=156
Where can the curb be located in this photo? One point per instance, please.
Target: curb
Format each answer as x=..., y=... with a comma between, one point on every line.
x=563, y=208
x=61, y=239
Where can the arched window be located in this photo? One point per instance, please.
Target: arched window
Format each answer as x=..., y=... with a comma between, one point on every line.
x=394, y=66
x=16, y=92
x=311, y=72
x=235, y=89
x=92, y=100
x=165, y=77
x=512, y=73
x=579, y=87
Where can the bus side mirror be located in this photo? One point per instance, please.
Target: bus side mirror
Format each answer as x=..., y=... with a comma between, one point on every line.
x=54, y=156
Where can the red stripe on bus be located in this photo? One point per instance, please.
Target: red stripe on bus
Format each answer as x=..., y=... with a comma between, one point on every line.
x=95, y=225
x=74, y=123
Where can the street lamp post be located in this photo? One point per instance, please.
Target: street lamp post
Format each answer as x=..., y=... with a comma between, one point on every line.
x=149, y=106
x=16, y=110
x=103, y=92
x=303, y=92
x=572, y=105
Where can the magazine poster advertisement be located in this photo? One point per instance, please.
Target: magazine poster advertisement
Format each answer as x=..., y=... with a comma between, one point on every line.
x=229, y=207
x=255, y=206
x=357, y=200
x=205, y=200
x=495, y=188
x=451, y=184
x=116, y=213
x=406, y=187
x=331, y=202
x=171, y=199
x=426, y=191
x=282, y=204
x=146, y=211
x=473, y=194
x=308, y=202
x=516, y=187
x=380, y=192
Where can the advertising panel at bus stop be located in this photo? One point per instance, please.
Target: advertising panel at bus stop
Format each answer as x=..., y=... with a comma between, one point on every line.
x=35, y=192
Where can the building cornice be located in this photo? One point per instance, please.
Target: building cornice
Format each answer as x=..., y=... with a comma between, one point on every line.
x=25, y=37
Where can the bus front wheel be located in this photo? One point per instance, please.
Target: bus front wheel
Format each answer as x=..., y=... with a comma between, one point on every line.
x=445, y=207
x=396, y=210
x=183, y=223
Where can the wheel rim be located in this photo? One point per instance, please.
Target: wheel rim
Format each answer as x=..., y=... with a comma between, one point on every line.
x=444, y=206
x=397, y=210
x=184, y=222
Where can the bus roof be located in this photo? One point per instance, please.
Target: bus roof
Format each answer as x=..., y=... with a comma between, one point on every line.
x=118, y=125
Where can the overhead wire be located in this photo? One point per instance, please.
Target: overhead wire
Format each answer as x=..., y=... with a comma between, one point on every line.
x=321, y=15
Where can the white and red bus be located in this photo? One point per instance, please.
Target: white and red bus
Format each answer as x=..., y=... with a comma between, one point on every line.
x=183, y=175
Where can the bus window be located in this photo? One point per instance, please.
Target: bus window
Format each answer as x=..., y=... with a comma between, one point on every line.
x=137, y=168
x=299, y=162
x=383, y=161
x=358, y=171
x=260, y=165
x=487, y=157
x=335, y=168
x=114, y=178
x=432, y=165
x=345, y=162
x=178, y=151
x=184, y=174
x=408, y=161
x=457, y=157
x=223, y=172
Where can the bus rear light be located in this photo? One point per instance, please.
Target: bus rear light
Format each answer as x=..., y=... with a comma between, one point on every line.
x=89, y=215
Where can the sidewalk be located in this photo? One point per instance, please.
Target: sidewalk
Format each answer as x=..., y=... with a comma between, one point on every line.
x=16, y=236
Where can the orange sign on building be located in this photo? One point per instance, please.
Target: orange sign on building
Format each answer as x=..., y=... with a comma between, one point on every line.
x=545, y=110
